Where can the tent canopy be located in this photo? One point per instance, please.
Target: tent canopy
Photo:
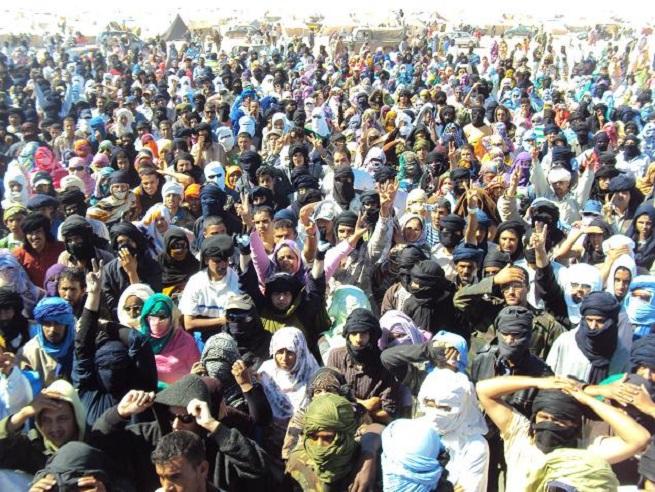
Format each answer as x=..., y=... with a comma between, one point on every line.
x=177, y=31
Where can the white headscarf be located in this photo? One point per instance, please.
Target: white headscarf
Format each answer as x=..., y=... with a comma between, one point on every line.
x=319, y=124
x=142, y=291
x=225, y=137
x=453, y=389
x=284, y=389
x=14, y=174
x=580, y=273
x=215, y=168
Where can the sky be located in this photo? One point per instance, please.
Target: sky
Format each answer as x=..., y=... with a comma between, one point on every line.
x=161, y=12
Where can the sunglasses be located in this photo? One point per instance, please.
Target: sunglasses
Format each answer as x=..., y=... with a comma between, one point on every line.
x=238, y=317
x=77, y=168
x=133, y=309
x=186, y=418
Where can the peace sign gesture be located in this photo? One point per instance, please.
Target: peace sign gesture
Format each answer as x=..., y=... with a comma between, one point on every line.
x=244, y=210
x=539, y=234
x=94, y=277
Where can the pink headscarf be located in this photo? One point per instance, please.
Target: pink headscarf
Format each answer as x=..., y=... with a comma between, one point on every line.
x=45, y=160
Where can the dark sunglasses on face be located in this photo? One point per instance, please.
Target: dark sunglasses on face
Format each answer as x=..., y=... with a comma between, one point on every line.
x=186, y=418
x=238, y=317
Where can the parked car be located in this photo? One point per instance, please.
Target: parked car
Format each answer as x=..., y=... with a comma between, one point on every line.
x=519, y=32
x=463, y=39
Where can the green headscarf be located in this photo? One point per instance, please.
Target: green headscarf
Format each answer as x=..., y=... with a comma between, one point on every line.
x=330, y=412
x=157, y=305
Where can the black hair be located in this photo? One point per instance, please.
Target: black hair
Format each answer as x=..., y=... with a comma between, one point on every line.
x=176, y=444
x=72, y=275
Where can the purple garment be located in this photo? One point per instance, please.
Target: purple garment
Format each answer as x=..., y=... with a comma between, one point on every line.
x=523, y=161
x=52, y=279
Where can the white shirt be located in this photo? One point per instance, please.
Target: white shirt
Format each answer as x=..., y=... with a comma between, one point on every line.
x=204, y=297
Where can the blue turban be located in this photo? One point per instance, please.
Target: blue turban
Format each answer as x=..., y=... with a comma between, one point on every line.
x=59, y=311
x=456, y=341
x=410, y=456
x=643, y=353
x=466, y=252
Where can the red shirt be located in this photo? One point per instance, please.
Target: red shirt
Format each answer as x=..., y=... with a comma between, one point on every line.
x=37, y=264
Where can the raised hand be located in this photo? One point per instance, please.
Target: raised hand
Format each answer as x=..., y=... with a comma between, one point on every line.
x=128, y=261
x=135, y=402
x=200, y=411
x=94, y=277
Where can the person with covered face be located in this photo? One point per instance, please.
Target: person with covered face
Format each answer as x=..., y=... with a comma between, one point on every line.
x=133, y=264
x=110, y=359
x=177, y=262
x=509, y=353
x=73, y=202
x=555, y=423
x=449, y=404
x=555, y=184
x=206, y=149
x=481, y=302
x=451, y=233
x=430, y=304
x=14, y=327
x=359, y=362
x=477, y=129
x=328, y=455
x=59, y=418
x=396, y=295
x=119, y=203
x=598, y=347
x=343, y=189
x=631, y=160
x=82, y=244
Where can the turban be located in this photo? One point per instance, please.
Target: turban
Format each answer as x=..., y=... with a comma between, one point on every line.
x=452, y=222
x=304, y=180
x=76, y=224
x=643, y=353
x=347, y=218
x=130, y=230
x=71, y=181
x=282, y=282
x=10, y=299
x=561, y=154
x=219, y=246
x=363, y=320
x=462, y=252
x=13, y=210
x=57, y=310
x=516, y=321
x=410, y=456
x=385, y=173
x=559, y=405
x=172, y=188
x=460, y=173
x=218, y=356
x=622, y=182
x=328, y=380
x=496, y=258
x=557, y=174
x=192, y=191
x=39, y=201
x=119, y=177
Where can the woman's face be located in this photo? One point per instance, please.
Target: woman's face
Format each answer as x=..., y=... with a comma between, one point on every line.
x=604, y=183
x=161, y=224
x=508, y=242
x=412, y=230
x=179, y=249
x=287, y=260
x=501, y=115
x=233, y=178
x=285, y=359
x=644, y=225
x=122, y=163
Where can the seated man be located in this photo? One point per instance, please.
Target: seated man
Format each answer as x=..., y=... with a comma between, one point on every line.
x=180, y=458
x=50, y=352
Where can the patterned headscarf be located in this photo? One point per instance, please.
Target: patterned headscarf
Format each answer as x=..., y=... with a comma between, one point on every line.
x=286, y=389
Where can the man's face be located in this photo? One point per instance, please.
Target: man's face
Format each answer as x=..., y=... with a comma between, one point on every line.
x=36, y=239
x=13, y=223
x=172, y=201
x=244, y=142
x=515, y=293
x=166, y=130
x=298, y=159
x=69, y=127
x=149, y=184
x=466, y=271
x=184, y=166
x=359, y=339
x=560, y=188
x=579, y=291
x=344, y=232
x=179, y=475
x=262, y=222
x=59, y=425
x=70, y=290
x=265, y=182
x=53, y=332
x=340, y=159
x=217, y=266
x=214, y=230
x=282, y=233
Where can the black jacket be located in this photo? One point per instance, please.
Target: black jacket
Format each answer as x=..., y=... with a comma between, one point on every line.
x=115, y=280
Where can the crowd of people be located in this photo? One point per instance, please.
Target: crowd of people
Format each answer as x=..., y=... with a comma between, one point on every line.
x=426, y=268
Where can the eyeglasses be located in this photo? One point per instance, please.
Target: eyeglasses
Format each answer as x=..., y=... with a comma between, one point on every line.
x=133, y=309
x=576, y=286
x=186, y=418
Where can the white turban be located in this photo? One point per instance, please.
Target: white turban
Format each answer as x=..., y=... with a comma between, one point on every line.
x=172, y=188
x=558, y=174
